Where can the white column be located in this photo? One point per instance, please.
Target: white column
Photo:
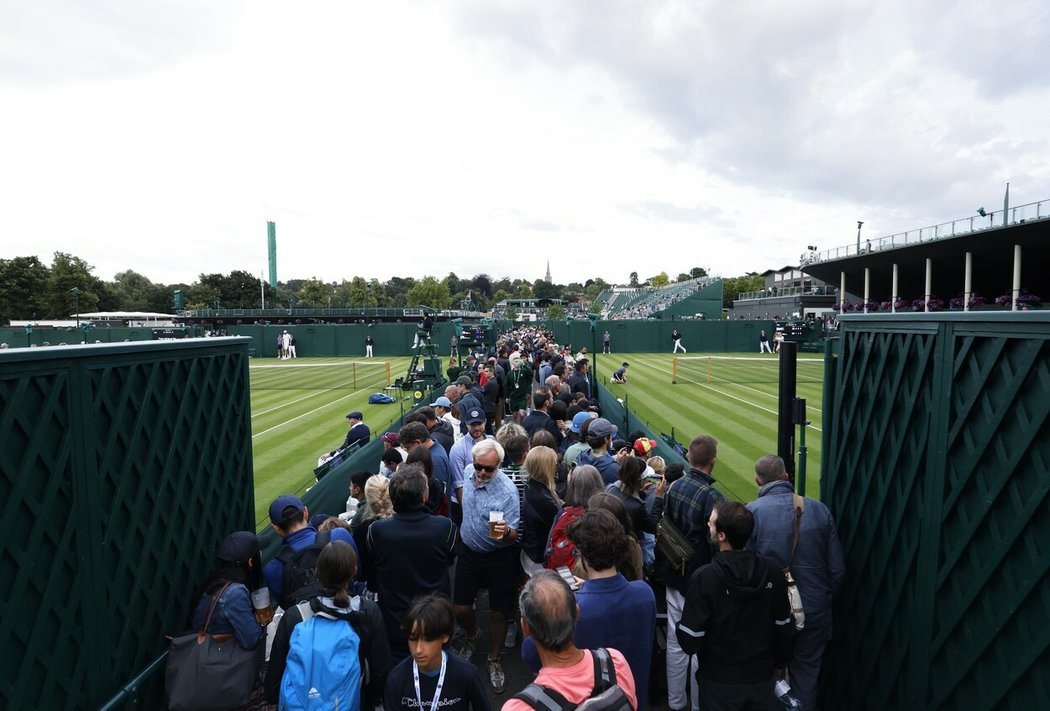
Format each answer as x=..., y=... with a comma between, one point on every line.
x=929, y=284
x=867, y=288
x=1017, y=275
x=842, y=292
x=893, y=298
x=967, y=285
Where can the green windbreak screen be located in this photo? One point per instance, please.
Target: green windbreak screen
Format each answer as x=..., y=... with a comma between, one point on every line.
x=121, y=469
x=937, y=452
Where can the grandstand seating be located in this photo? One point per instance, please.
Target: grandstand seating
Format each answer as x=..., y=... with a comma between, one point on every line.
x=644, y=302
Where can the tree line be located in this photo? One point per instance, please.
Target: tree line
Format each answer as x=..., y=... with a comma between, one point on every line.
x=31, y=290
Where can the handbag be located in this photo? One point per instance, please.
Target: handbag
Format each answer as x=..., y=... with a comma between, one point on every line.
x=675, y=547
x=209, y=671
x=794, y=597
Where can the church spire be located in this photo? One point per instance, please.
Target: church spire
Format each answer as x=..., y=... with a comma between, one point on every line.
x=548, y=277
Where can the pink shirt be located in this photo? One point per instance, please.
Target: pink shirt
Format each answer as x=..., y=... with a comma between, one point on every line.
x=575, y=683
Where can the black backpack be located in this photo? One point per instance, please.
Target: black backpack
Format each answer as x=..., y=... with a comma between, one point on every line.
x=298, y=582
x=606, y=695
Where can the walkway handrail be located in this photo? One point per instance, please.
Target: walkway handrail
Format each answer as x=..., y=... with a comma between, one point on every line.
x=966, y=225
x=129, y=693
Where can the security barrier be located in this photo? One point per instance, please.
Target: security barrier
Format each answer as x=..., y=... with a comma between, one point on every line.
x=122, y=467
x=937, y=453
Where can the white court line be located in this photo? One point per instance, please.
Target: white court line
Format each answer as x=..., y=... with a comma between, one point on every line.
x=760, y=392
x=316, y=409
x=258, y=366
x=734, y=397
x=315, y=392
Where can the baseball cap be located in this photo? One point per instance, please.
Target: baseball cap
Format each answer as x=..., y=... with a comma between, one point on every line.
x=601, y=428
x=473, y=417
x=355, y=415
x=464, y=380
x=281, y=503
x=644, y=445
x=579, y=418
x=238, y=547
x=442, y=402
x=391, y=438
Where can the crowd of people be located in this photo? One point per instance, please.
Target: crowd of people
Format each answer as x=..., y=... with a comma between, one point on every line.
x=510, y=494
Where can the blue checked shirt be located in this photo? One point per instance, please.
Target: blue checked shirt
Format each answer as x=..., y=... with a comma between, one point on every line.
x=498, y=494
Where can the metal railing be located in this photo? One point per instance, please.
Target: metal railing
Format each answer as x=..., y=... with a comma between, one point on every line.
x=977, y=223
x=777, y=292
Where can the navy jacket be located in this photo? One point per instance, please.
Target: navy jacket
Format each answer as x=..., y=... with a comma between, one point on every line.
x=818, y=567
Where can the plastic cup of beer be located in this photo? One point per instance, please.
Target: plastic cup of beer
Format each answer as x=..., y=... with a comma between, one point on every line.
x=261, y=603
x=495, y=518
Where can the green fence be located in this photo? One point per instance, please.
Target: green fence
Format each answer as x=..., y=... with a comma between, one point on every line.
x=121, y=469
x=937, y=469
x=395, y=339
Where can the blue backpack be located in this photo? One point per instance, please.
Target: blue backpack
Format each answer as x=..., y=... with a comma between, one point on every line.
x=380, y=399
x=323, y=670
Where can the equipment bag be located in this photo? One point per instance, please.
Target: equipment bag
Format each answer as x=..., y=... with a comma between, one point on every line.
x=380, y=399
x=606, y=695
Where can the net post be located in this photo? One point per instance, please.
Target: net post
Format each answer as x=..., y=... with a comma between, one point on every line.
x=354, y=366
x=709, y=362
x=388, y=373
x=674, y=370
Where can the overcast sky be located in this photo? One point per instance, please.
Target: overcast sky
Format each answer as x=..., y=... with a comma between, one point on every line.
x=412, y=138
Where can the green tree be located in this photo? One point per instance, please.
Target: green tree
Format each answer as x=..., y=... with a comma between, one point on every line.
x=683, y=277
x=377, y=296
x=593, y=287
x=555, y=312
x=358, y=293
x=202, y=296
x=522, y=289
x=66, y=273
x=511, y=314
x=429, y=292
x=633, y=277
x=481, y=283
x=241, y=290
x=23, y=285
x=315, y=294
x=660, y=279
x=454, y=283
x=135, y=292
x=397, y=289
x=697, y=272
x=734, y=286
x=542, y=290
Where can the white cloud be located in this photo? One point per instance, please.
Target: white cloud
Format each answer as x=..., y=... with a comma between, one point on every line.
x=408, y=138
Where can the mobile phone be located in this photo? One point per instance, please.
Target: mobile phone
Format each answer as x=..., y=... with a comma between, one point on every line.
x=567, y=576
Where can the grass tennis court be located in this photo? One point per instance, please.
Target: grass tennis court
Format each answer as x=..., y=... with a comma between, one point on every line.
x=298, y=410
x=732, y=396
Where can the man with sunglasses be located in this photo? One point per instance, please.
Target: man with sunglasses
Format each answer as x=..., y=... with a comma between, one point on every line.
x=488, y=557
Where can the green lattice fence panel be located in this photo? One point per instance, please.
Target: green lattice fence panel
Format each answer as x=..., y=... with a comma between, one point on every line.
x=121, y=468
x=939, y=478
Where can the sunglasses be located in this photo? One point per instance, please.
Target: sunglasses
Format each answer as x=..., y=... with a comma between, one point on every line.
x=483, y=468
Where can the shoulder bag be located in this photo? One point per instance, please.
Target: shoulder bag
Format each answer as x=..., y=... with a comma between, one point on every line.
x=209, y=671
x=794, y=598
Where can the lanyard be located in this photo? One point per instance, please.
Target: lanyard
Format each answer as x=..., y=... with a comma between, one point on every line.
x=437, y=690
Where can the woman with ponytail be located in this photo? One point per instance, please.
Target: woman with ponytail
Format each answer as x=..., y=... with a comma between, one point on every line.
x=336, y=568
